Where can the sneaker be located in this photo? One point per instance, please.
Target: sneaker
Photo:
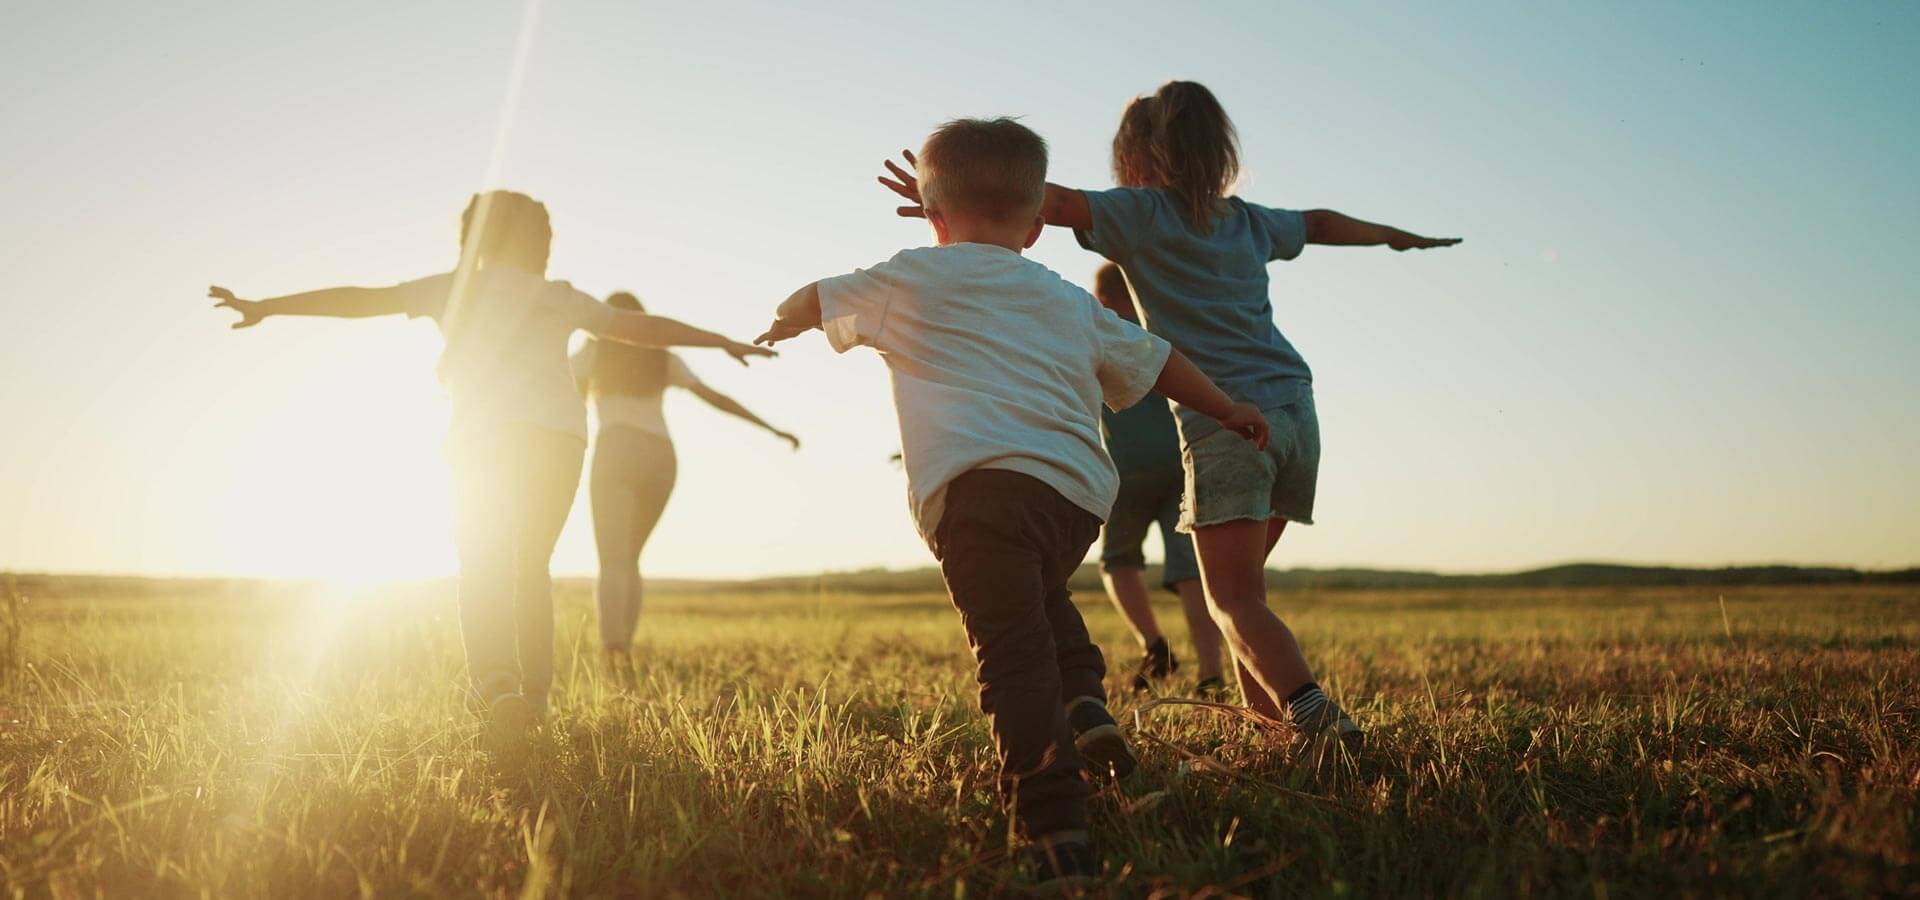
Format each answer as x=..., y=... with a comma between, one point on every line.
x=1213, y=687
x=1351, y=737
x=511, y=721
x=1155, y=664
x=1097, y=736
x=1064, y=863
x=1341, y=735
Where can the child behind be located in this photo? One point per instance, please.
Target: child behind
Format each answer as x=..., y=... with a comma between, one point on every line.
x=999, y=367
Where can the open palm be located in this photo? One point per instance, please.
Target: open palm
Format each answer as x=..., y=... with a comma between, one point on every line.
x=249, y=310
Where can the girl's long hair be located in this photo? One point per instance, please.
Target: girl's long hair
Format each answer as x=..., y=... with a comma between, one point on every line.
x=506, y=228
x=623, y=368
x=1179, y=139
x=498, y=230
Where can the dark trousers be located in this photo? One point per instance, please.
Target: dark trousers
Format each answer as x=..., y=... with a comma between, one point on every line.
x=1007, y=544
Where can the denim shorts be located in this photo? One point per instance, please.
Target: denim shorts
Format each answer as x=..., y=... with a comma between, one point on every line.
x=1146, y=499
x=1228, y=479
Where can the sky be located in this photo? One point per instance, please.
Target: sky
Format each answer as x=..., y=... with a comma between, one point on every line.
x=1682, y=328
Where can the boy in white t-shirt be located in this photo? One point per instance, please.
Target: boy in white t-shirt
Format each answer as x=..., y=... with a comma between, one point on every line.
x=999, y=368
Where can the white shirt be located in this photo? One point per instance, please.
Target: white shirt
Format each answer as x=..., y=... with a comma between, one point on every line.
x=505, y=362
x=997, y=363
x=627, y=410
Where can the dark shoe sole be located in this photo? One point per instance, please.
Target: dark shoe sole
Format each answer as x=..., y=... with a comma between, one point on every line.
x=1105, y=751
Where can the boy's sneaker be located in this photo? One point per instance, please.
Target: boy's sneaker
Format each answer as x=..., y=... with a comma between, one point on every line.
x=1097, y=736
x=1155, y=664
x=511, y=721
x=1064, y=863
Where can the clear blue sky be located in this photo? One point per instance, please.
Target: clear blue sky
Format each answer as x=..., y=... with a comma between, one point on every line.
x=1682, y=328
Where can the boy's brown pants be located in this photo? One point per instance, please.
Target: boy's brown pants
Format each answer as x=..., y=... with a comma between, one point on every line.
x=1007, y=543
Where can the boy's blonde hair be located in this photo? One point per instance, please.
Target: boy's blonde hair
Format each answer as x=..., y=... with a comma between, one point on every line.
x=992, y=168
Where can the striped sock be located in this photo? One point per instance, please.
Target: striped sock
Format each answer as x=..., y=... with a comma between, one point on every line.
x=1312, y=711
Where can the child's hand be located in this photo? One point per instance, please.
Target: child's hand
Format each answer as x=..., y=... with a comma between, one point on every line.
x=249, y=310
x=780, y=330
x=906, y=185
x=742, y=352
x=1246, y=421
x=1405, y=241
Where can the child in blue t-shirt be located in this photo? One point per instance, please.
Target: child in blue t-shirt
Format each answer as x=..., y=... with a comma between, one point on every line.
x=1196, y=259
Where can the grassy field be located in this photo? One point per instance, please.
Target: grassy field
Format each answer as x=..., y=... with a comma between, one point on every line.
x=1559, y=743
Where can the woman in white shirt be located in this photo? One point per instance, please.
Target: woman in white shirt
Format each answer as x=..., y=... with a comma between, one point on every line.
x=634, y=466
x=517, y=434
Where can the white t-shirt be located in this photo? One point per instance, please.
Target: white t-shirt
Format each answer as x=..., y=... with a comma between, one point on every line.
x=997, y=363
x=628, y=410
x=505, y=362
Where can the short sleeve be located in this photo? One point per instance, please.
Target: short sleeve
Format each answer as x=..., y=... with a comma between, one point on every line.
x=1286, y=231
x=1130, y=358
x=853, y=307
x=678, y=375
x=425, y=297
x=1121, y=217
x=581, y=310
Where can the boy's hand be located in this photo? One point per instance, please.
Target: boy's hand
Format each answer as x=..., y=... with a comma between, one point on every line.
x=1246, y=421
x=1405, y=241
x=742, y=352
x=780, y=330
x=906, y=185
x=249, y=310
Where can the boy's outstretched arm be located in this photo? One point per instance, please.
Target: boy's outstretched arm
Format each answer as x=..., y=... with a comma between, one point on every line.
x=646, y=330
x=1324, y=226
x=797, y=315
x=1062, y=206
x=340, y=303
x=1184, y=383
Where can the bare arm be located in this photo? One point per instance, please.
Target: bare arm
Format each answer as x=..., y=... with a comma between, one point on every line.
x=1062, y=206
x=796, y=315
x=339, y=303
x=733, y=408
x=645, y=330
x=1184, y=383
x=1324, y=226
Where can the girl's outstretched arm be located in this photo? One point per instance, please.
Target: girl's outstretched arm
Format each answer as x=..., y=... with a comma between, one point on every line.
x=645, y=330
x=1062, y=206
x=1324, y=226
x=733, y=408
x=340, y=303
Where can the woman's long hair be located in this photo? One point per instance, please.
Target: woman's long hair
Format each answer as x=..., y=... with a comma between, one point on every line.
x=623, y=368
x=1179, y=139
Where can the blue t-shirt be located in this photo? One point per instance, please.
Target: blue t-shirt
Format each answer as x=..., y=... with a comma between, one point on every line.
x=1206, y=294
x=1141, y=438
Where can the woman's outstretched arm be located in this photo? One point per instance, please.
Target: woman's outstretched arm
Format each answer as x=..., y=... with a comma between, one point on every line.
x=732, y=407
x=339, y=303
x=643, y=330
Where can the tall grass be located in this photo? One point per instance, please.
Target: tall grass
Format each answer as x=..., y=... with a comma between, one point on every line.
x=1535, y=743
